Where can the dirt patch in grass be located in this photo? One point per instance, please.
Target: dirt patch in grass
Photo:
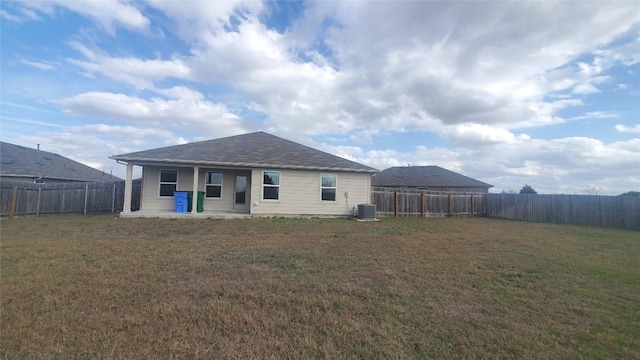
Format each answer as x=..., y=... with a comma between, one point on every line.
x=98, y=286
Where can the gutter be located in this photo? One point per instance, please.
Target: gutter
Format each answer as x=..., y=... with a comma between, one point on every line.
x=249, y=165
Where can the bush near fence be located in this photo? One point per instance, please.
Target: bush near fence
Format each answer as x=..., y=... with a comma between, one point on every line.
x=65, y=198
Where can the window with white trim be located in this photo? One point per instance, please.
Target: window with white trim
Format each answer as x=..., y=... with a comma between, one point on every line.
x=213, y=184
x=168, y=182
x=328, y=187
x=271, y=185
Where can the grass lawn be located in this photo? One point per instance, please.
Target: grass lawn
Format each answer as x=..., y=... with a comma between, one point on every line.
x=102, y=287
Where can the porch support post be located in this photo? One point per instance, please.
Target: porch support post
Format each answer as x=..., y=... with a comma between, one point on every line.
x=128, y=188
x=194, y=206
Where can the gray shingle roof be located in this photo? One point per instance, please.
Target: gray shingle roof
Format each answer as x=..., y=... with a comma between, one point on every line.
x=424, y=176
x=257, y=149
x=20, y=161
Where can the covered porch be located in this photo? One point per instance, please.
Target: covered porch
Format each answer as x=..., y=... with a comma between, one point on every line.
x=214, y=192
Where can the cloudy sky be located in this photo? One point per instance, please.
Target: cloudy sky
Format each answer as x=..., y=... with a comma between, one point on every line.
x=510, y=93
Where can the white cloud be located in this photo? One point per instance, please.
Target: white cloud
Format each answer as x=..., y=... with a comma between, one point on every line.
x=120, y=131
x=596, y=115
x=176, y=141
x=627, y=53
x=628, y=129
x=30, y=14
x=438, y=73
x=426, y=81
x=181, y=92
x=591, y=69
x=103, y=141
x=561, y=165
x=584, y=89
x=9, y=16
x=71, y=145
x=107, y=13
x=81, y=48
x=17, y=14
x=202, y=17
x=475, y=73
x=30, y=121
x=472, y=135
x=38, y=64
x=191, y=113
x=141, y=73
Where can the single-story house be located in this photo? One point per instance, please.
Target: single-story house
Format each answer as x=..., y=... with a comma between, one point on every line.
x=27, y=165
x=431, y=178
x=256, y=173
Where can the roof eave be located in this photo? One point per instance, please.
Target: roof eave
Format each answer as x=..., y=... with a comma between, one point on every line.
x=150, y=161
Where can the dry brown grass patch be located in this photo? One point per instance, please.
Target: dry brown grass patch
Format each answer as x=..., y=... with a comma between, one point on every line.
x=96, y=286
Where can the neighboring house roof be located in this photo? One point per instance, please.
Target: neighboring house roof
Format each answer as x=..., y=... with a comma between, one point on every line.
x=257, y=149
x=20, y=161
x=424, y=177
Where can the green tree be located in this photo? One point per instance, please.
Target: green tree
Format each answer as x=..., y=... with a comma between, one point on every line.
x=527, y=189
x=631, y=193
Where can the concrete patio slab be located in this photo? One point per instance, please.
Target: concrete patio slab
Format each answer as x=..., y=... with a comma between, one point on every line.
x=176, y=215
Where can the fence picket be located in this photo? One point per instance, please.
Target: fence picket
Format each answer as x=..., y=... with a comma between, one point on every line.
x=64, y=198
x=609, y=211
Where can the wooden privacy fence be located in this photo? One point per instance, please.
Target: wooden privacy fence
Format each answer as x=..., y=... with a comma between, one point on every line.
x=609, y=211
x=425, y=204
x=65, y=198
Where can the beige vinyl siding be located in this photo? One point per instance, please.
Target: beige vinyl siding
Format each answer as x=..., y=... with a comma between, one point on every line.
x=225, y=202
x=300, y=193
x=151, y=199
x=151, y=182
